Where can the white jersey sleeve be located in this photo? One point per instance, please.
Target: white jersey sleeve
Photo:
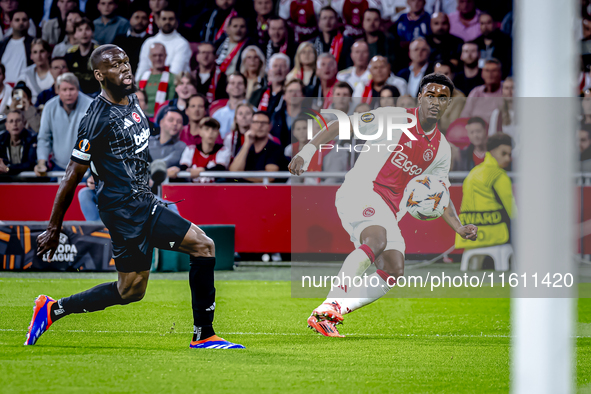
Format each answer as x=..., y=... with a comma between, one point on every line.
x=187, y=156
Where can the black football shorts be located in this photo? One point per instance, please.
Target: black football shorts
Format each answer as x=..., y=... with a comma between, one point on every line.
x=163, y=229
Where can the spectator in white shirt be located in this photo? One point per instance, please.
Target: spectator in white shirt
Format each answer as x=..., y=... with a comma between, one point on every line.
x=15, y=50
x=37, y=75
x=358, y=73
x=177, y=47
x=9, y=6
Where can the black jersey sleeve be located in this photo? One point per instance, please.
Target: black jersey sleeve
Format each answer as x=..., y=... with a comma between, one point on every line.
x=93, y=127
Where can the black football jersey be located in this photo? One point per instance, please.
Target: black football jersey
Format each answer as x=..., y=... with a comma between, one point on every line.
x=113, y=140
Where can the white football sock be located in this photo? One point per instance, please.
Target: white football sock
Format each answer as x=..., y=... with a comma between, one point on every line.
x=354, y=265
x=367, y=294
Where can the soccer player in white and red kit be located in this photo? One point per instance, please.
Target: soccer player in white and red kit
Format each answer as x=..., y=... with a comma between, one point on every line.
x=369, y=200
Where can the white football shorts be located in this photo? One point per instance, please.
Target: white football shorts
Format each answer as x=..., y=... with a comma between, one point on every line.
x=359, y=209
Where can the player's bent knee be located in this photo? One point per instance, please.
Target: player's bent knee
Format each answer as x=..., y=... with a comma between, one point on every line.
x=132, y=297
x=392, y=263
x=376, y=244
x=203, y=246
x=376, y=238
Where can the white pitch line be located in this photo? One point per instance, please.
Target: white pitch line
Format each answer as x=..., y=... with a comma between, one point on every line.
x=294, y=333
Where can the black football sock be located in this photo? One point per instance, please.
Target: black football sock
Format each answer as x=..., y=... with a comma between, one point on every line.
x=203, y=296
x=91, y=300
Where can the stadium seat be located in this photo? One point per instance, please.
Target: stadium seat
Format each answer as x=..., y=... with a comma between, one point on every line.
x=501, y=254
x=217, y=105
x=456, y=133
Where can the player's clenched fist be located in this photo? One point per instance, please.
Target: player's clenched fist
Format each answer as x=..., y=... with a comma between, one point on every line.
x=47, y=241
x=468, y=231
x=296, y=166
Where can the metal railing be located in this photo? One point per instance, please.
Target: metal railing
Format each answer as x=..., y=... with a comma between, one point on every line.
x=581, y=178
x=454, y=175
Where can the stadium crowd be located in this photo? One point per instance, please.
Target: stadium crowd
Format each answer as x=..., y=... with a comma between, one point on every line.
x=226, y=83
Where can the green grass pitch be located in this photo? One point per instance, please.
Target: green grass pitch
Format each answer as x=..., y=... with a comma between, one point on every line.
x=392, y=346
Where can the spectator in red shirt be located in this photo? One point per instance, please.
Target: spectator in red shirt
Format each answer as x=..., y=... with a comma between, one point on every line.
x=207, y=155
x=473, y=154
x=301, y=16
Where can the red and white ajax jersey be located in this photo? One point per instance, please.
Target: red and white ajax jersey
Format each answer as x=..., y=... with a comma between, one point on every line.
x=386, y=165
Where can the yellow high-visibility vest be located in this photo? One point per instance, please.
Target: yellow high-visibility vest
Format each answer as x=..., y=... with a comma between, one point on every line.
x=488, y=203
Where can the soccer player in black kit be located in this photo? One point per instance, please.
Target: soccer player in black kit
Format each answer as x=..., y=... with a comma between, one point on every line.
x=119, y=161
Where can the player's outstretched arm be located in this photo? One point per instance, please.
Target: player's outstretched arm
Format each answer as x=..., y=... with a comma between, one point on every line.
x=450, y=216
x=300, y=162
x=48, y=241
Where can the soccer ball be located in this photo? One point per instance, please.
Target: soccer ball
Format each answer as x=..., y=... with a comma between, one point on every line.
x=425, y=197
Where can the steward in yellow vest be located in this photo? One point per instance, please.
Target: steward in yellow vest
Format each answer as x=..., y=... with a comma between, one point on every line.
x=487, y=198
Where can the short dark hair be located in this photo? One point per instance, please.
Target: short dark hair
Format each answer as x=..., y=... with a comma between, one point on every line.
x=165, y=110
x=296, y=81
x=262, y=113
x=12, y=13
x=341, y=85
x=22, y=86
x=277, y=18
x=328, y=8
x=236, y=73
x=439, y=79
x=201, y=96
x=84, y=21
x=75, y=11
x=97, y=55
x=209, y=122
x=53, y=59
x=300, y=118
x=477, y=119
x=498, y=139
x=393, y=89
x=169, y=8
x=236, y=17
x=373, y=10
